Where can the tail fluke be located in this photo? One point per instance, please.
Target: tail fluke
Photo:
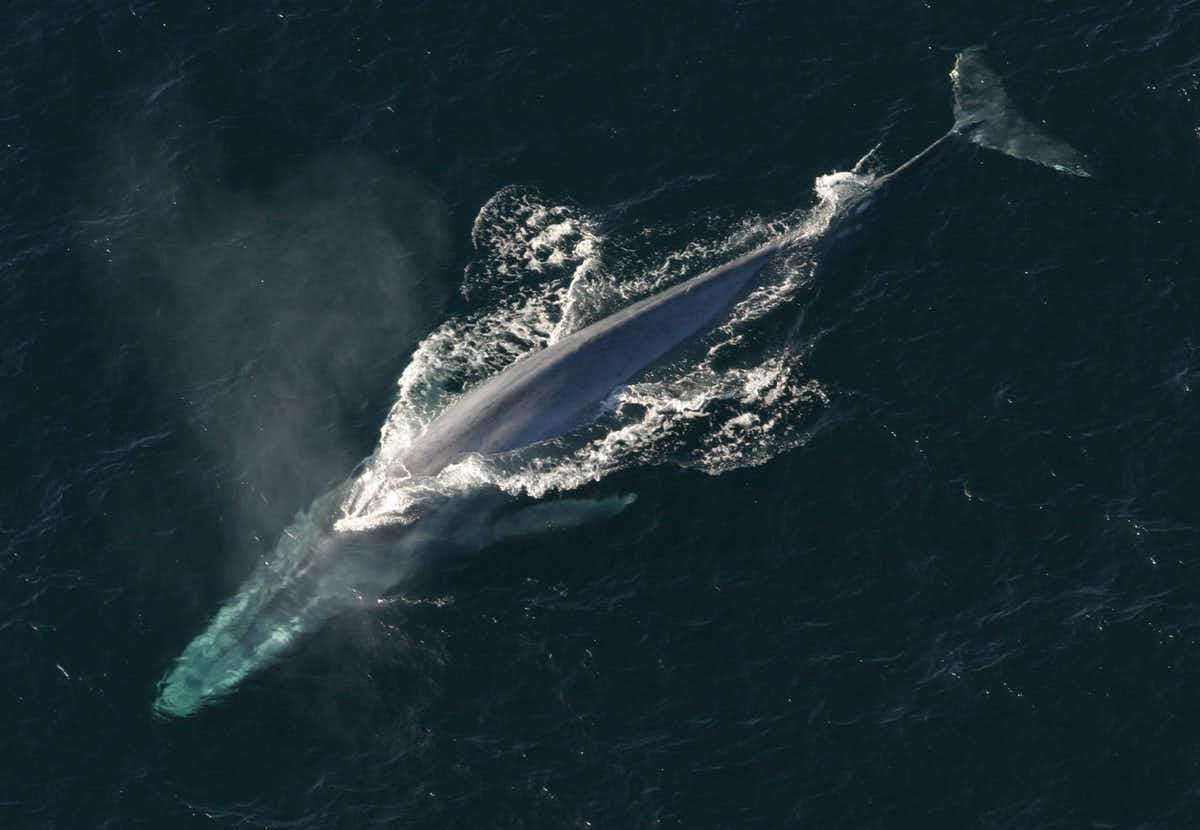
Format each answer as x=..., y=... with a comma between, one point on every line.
x=982, y=114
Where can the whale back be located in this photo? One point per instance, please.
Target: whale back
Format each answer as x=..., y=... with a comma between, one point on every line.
x=560, y=388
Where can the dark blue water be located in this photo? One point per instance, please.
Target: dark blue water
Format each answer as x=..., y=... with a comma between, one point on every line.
x=968, y=596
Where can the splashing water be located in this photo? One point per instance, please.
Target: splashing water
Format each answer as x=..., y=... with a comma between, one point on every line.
x=542, y=272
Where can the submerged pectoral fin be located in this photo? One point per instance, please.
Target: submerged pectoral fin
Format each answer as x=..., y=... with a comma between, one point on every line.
x=984, y=116
x=558, y=515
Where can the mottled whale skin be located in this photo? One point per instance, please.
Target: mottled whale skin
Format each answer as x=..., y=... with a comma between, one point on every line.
x=551, y=392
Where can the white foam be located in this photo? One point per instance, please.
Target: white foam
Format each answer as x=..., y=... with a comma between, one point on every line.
x=541, y=273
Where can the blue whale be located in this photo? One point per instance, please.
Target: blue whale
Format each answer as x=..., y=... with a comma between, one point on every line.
x=543, y=396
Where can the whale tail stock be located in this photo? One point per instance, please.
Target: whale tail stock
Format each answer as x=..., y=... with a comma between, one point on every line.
x=984, y=116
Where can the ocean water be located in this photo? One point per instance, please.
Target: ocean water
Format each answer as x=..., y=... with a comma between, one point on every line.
x=911, y=540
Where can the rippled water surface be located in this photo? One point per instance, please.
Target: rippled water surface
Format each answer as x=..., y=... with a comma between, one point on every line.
x=911, y=539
